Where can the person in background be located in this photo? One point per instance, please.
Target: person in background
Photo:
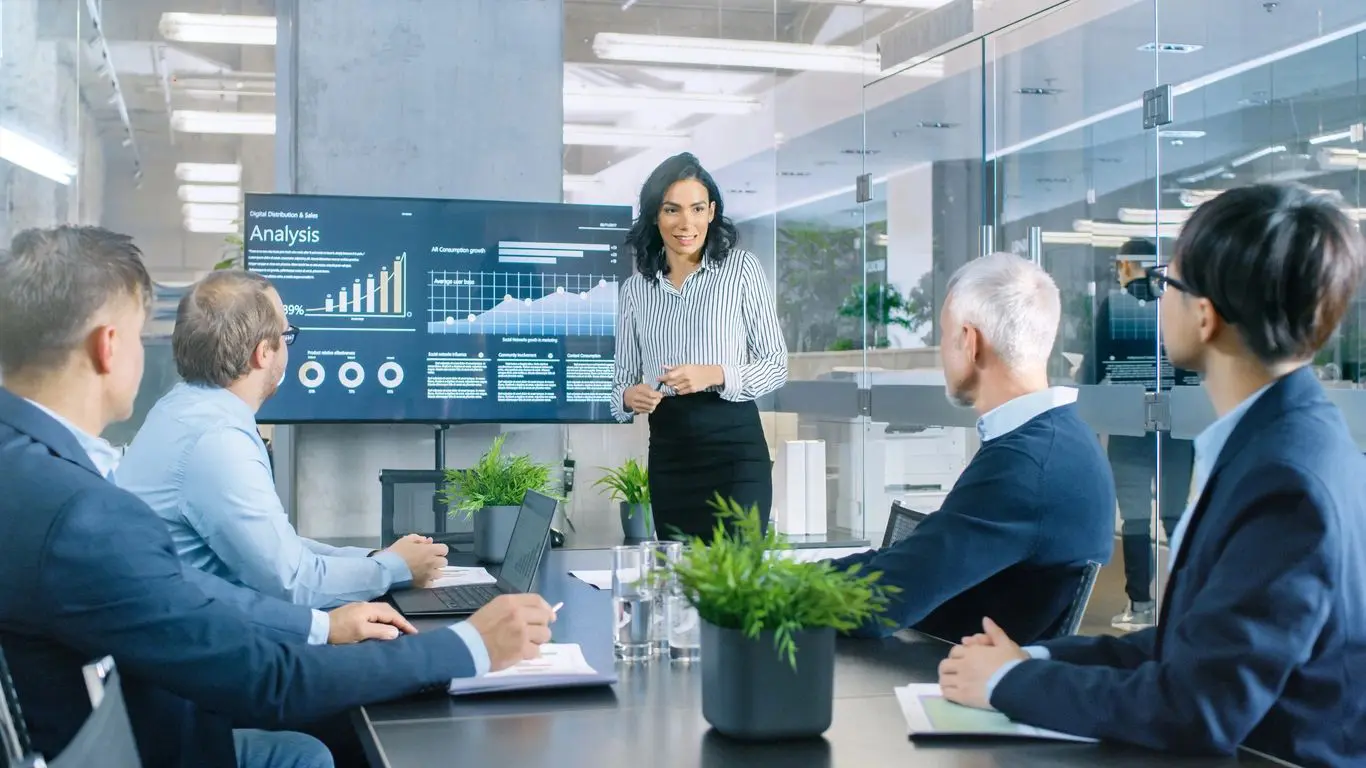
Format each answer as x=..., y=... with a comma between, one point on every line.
x=198, y=461
x=1126, y=328
x=1037, y=501
x=698, y=342
x=1262, y=638
x=90, y=571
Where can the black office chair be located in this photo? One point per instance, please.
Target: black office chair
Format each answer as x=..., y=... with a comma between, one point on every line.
x=105, y=739
x=902, y=522
x=1071, y=622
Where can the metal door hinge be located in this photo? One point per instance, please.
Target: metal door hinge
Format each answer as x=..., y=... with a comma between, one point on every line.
x=863, y=188
x=1157, y=412
x=865, y=402
x=1158, y=105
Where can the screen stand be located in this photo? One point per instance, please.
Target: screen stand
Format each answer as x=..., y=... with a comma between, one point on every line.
x=438, y=507
x=440, y=444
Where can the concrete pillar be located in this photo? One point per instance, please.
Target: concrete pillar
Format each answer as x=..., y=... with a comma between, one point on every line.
x=910, y=241
x=430, y=98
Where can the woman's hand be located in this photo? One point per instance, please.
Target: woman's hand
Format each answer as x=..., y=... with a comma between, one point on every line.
x=642, y=398
x=687, y=379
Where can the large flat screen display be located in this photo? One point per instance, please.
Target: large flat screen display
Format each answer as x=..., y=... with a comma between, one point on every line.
x=441, y=311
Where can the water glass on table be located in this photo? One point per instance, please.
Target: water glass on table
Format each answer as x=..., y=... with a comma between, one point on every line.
x=660, y=559
x=632, y=603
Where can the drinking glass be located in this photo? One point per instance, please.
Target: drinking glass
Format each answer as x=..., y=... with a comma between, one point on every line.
x=632, y=603
x=660, y=558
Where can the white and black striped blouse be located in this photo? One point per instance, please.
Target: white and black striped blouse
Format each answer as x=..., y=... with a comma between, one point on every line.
x=724, y=315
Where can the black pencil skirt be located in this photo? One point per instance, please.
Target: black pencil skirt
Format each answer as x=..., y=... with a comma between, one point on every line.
x=701, y=445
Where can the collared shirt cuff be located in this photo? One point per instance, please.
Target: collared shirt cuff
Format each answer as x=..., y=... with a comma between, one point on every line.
x=395, y=566
x=1000, y=675
x=734, y=384
x=353, y=552
x=475, y=643
x=321, y=628
x=1035, y=652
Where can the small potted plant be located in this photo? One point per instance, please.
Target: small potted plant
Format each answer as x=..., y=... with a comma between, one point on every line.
x=629, y=484
x=492, y=492
x=768, y=627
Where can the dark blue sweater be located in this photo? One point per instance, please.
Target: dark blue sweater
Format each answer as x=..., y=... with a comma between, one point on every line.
x=1011, y=538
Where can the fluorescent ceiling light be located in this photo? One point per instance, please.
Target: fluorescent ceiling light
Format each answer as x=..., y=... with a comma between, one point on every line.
x=1150, y=216
x=29, y=154
x=923, y=5
x=218, y=28
x=642, y=99
x=1181, y=134
x=1113, y=229
x=579, y=183
x=1203, y=175
x=209, y=193
x=610, y=136
x=1084, y=238
x=758, y=54
x=1259, y=154
x=1342, y=157
x=220, y=211
x=209, y=173
x=195, y=121
x=212, y=226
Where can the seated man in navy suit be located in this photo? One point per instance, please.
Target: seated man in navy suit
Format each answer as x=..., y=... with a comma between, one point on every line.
x=1036, y=502
x=1261, y=639
x=89, y=570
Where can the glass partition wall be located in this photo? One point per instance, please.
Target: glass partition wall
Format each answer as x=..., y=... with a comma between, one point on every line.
x=1028, y=136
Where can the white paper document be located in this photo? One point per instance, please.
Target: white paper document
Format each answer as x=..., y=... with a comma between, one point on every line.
x=929, y=715
x=597, y=579
x=460, y=576
x=559, y=666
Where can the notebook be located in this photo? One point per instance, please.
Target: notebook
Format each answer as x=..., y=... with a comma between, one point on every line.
x=560, y=666
x=929, y=715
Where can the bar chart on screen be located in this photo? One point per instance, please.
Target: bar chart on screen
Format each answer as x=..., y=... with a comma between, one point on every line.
x=375, y=295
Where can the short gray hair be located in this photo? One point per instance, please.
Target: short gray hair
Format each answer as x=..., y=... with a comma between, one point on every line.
x=219, y=324
x=53, y=282
x=1013, y=302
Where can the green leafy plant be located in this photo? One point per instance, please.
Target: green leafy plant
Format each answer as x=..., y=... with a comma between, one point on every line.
x=495, y=481
x=740, y=581
x=629, y=482
x=232, y=251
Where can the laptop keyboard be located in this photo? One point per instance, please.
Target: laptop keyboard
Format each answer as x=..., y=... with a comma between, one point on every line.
x=467, y=598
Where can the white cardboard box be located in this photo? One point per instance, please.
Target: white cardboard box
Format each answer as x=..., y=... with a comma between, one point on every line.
x=815, y=487
x=789, y=488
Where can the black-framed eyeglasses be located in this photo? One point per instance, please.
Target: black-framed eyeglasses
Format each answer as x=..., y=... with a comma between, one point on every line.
x=1157, y=280
x=289, y=335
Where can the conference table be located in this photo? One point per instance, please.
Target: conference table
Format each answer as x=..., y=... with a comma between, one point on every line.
x=653, y=715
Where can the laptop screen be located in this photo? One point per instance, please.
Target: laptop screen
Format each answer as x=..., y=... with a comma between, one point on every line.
x=527, y=544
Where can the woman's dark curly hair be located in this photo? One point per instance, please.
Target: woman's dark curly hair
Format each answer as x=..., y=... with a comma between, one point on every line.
x=647, y=244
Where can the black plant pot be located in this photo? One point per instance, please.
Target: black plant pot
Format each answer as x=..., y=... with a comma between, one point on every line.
x=637, y=521
x=749, y=691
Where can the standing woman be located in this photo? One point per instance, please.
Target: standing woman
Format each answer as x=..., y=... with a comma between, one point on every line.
x=697, y=342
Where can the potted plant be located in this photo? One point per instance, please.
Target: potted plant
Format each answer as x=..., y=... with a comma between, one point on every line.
x=492, y=492
x=629, y=484
x=768, y=627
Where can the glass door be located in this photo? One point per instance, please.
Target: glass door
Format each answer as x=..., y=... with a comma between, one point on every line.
x=1073, y=186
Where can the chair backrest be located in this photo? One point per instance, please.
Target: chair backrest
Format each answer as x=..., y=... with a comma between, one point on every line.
x=1072, y=621
x=13, y=734
x=105, y=738
x=901, y=523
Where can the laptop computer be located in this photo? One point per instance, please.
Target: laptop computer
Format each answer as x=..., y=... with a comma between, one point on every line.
x=526, y=548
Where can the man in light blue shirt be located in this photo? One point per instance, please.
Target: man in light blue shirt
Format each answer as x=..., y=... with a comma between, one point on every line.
x=199, y=462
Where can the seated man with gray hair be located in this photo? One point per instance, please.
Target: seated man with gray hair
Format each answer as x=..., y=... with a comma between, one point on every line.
x=1036, y=502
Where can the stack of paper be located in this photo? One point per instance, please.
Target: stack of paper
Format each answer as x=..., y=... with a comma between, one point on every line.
x=597, y=579
x=929, y=715
x=460, y=576
x=559, y=666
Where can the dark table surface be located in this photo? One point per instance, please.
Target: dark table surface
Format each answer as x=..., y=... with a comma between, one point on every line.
x=653, y=715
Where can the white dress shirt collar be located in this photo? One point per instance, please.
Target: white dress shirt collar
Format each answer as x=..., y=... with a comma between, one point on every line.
x=1013, y=414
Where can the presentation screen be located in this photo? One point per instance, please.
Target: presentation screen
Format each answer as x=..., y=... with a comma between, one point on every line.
x=441, y=311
